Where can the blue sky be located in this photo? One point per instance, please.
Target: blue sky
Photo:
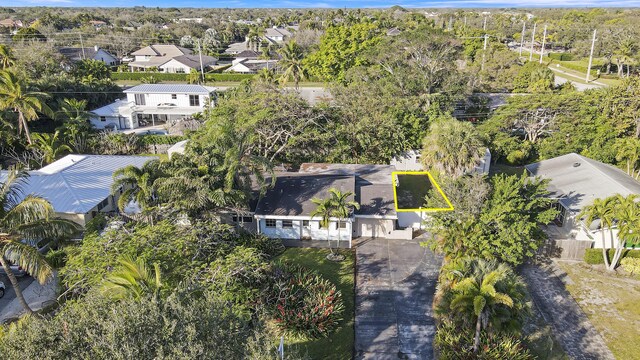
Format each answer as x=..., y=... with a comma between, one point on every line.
x=326, y=3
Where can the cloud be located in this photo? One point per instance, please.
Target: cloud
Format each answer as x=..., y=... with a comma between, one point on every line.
x=47, y=2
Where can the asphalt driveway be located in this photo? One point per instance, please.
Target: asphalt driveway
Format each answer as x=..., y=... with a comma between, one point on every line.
x=395, y=285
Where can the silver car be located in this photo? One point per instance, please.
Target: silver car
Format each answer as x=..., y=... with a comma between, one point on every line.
x=15, y=269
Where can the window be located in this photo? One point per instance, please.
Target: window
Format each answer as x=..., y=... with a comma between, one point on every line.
x=559, y=220
x=194, y=100
x=305, y=222
x=287, y=223
x=271, y=223
x=343, y=225
x=104, y=203
x=103, y=118
x=235, y=219
x=174, y=96
x=247, y=219
x=140, y=99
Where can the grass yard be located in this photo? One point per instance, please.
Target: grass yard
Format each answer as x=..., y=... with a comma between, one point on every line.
x=339, y=344
x=611, y=303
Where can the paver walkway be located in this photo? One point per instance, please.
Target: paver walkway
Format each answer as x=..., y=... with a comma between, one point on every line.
x=571, y=326
x=395, y=284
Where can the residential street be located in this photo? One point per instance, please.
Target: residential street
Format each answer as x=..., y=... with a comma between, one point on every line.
x=395, y=285
x=38, y=296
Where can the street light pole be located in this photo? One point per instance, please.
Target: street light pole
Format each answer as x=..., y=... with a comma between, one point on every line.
x=533, y=37
x=593, y=43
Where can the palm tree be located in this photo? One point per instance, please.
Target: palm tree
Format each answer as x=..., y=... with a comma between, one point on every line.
x=7, y=59
x=324, y=209
x=133, y=280
x=603, y=210
x=254, y=38
x=627, y=215
x=266, y=76
x=75, y=123
x=451, y=146
x=478, y=295
x=291, y=61
x=136, y=185
x=14, y=96
x=342, y=206
x=50, y=146
x=26, y=217
x=628, y=150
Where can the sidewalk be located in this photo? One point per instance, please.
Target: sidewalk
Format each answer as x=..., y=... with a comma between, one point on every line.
x=37, y=296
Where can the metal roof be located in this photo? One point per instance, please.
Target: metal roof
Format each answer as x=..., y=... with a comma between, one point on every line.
x=76, y=184
x=170, y=89
x=578, y=180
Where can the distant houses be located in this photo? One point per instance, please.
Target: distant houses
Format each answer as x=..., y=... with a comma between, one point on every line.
x=75, y=54
x=169, y=59
x=152, y=105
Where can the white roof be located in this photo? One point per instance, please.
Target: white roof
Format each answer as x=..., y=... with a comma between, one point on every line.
x=76, y=184
x=111, y=109
x=170, y=89
x=578, y=180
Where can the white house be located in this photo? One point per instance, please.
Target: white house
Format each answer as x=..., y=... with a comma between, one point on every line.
x=155, y=55
x=183, y=64
x=247, y=66
x=277, y=35
x=576, y=181
x=285, y=210
x=79, y=186
x=95, y=53
x=153, y=104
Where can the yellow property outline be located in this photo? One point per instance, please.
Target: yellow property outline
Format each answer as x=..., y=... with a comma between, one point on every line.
x=431, y=179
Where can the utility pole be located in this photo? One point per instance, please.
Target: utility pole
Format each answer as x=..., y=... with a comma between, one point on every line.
x=484, y=26
x=484, y=51
x=544, y=38
x=82, y=46
x=524, y=26
x=533, y=37
x=201, y=67
x=465, y=22
x=593, y=43
x=450, y=23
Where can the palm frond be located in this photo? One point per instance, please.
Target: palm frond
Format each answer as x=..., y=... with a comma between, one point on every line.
x=29, y=259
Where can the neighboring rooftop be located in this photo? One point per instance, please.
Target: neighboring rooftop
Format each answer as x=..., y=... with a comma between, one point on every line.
x=77, y=53
x=193, y=61
x=162, y=50
x=366, y=173
x=170, y=89
x=76, y=184
x=578, y=180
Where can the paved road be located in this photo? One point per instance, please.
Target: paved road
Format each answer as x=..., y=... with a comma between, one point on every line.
x=395, y=284
x=571, y=326
x=9, y=292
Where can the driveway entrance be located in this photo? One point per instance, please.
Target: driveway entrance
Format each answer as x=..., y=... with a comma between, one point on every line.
x=395, y=285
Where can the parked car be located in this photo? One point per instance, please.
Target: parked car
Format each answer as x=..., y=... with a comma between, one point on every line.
x=15, y=269
x=2, y=287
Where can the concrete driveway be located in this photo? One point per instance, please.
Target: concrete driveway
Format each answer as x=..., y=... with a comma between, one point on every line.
x=395, y=284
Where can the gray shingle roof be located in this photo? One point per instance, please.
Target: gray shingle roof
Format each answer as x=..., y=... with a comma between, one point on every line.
x=170, y=89
x=76, y=54
x=292, y=193
x=579, y=180
x=193, y=61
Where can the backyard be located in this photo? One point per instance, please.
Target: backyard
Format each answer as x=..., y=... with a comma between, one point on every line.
x=339, y=344
x=411, y=190
x=611, y=303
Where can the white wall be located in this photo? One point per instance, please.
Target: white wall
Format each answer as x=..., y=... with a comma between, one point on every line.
x=181, y=100
x=367, y=227
x=295, y=232
x=103, y=56
x=174, y=66
x=413, y=219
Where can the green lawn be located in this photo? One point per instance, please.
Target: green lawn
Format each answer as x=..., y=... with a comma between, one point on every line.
x=339, y=344
x=611, y=303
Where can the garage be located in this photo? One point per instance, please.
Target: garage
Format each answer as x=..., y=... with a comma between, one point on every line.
x=371, y=227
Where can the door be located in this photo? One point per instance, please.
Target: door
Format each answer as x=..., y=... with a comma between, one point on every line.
x=306, y=229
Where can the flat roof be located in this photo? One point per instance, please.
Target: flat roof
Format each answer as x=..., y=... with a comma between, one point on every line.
x=170, y=89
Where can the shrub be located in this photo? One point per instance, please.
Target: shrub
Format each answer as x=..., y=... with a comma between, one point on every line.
x=561, y=56
x=594, y=256
x=161, y=139
x=56, y=258
x=631, y=265
x=303, y=303
x=139, y=76
x=269, y=247
x=452, y=342
x=516, y=157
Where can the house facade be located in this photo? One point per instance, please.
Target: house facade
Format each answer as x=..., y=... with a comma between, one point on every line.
x=79, y=186
x=95, y=53
x=153, y=56
x=575, y=181
x=247, y=66
x=152, y=105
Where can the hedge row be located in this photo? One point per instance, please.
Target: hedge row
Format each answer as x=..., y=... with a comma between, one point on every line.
x=561, y=56
x=161, y=139
x=138, y=76
x=594, y=256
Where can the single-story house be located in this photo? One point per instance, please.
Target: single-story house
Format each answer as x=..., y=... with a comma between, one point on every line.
x=575, y=181
x=153, y=104
x=76, y=54
x=153, y=56
x=79, y=186
x=277, y=35
x=183, y=64
x=285, y=210
x=246, y=66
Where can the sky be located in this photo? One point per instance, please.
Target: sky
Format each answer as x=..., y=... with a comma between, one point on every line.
x=327, y=3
